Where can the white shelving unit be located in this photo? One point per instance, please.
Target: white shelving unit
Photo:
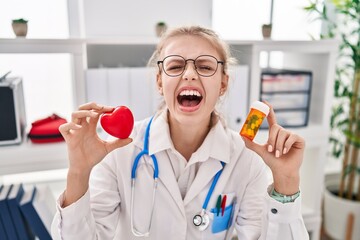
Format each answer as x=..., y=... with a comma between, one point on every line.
x=316, y=56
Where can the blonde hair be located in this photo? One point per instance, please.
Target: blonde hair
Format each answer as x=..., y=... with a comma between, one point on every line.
x=221, y=47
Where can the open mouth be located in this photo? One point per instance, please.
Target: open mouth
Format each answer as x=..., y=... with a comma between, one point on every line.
x=189, y=98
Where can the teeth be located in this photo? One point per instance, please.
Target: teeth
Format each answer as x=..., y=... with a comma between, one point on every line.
x=190, y=93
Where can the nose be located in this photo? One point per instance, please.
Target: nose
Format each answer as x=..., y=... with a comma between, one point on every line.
x=190, y=72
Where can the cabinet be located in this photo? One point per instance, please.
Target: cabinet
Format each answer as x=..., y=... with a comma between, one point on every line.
x=315, y=56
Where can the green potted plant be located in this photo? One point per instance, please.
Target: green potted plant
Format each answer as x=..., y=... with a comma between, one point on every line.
x=266, y=30
x=160, y=28
x=344, y=196
x=20, y=27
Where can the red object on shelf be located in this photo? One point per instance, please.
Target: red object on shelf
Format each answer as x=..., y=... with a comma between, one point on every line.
x=46, y=130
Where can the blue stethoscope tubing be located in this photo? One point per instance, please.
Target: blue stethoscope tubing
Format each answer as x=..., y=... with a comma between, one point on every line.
x=145, y=151
x=201, y=220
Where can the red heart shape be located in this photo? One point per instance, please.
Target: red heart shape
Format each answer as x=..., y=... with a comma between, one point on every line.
x=118, y=123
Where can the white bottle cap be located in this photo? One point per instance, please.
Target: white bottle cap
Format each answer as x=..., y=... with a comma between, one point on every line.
x=262, y=107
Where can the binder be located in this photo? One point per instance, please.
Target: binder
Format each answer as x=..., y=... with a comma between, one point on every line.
x=38, y=207
x=118, y=87
x=5, y=213
x=141, y=92
x=235, y=105
x=96, y=86
x=2, y=229
x=20, y=224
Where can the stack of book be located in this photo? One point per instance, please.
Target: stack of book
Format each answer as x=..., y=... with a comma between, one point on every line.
x=26, y=213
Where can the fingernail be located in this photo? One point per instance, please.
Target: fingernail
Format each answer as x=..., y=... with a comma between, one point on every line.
x=270, y=148
x=284, y=151
x=78, y=126
x=277, y=153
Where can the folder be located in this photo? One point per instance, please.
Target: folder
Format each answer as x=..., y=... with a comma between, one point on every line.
x=235, y=104
x=96, y=86
x=118, y=86
x=38, y=207
x=13, y=200
x=141, y=80
x=5, y=213
x=2, y=229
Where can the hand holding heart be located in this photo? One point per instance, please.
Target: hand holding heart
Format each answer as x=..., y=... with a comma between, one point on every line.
x=85, y=148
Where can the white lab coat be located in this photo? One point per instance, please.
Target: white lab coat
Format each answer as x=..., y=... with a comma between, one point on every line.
x=104, y=211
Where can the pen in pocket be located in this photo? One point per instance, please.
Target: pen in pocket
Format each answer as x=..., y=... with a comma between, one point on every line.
x=223, y=205
x=218, y=205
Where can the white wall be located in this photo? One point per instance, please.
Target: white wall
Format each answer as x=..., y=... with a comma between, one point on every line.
x=138, y=17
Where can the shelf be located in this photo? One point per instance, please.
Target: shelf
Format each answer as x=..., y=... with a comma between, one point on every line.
x=29, y=157
x=25, y=45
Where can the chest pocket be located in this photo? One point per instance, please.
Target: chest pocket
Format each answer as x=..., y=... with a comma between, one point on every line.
x=221, y=221
x=221, y=225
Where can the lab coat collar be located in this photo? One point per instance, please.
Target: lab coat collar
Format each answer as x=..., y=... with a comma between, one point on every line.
x=216, y=144
x=159, y=134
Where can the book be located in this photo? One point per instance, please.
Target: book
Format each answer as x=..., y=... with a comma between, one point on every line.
x=13, y=200
x=2, y=229
x=5, y=213
x=38, y=207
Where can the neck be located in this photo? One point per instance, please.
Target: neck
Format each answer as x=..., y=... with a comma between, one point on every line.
x=187, y=139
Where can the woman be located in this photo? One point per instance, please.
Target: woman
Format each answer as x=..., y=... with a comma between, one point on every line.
x=210, y=180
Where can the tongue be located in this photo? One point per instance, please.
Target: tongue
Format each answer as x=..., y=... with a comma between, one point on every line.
x=189, y=103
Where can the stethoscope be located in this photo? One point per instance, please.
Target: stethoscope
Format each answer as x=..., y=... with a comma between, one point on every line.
x=200, y=220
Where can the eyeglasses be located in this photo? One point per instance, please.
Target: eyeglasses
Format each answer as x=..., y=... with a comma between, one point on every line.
x=174, y=65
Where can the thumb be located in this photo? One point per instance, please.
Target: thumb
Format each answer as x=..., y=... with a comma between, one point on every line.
x=118, y=143
x=253, y=146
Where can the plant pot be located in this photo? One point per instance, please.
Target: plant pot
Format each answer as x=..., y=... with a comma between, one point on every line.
x=160, y=29
x=266, y=31
x=337, y=210
x=20, y=29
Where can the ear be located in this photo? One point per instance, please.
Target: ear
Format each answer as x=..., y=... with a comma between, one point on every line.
x=224, y=84
x=159, y=83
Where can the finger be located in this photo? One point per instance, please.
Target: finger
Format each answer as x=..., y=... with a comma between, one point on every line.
x=291, y=141
x=273, y=134
x=95, y=106
x=66, y=127
x=77, y=116
x=259, y=149
x=271, y=118
x=118, y=143
x=280, y=142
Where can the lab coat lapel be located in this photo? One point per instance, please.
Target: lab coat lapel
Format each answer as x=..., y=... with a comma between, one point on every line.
x=204, y=177
x=168, y=179
x=159, y=142
x=215, y=149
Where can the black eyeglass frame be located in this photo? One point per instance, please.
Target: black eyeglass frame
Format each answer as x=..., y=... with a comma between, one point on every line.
x=186, y=60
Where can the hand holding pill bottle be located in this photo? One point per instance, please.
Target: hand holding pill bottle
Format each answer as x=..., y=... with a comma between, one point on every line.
x=258, y=111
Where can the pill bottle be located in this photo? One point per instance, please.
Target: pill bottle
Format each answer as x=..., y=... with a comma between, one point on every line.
x=258, y=111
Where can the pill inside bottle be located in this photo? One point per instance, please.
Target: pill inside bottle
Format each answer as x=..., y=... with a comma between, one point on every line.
x=257, y=114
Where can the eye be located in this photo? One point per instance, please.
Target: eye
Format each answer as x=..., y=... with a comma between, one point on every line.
x=174, y=67
x=205, y=67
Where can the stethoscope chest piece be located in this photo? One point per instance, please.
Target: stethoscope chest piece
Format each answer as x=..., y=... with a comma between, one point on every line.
x=201, y=220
